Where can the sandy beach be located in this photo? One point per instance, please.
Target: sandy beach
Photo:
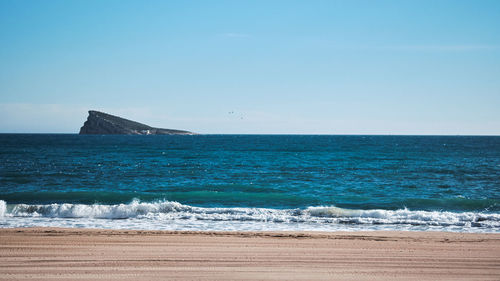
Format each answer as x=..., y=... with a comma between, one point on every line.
x=64, y=254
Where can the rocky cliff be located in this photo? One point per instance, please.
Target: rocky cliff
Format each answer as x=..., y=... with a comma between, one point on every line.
x=99, y=123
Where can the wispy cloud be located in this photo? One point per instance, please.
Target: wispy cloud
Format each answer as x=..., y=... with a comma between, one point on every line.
x=440, y=47
x=421, y=48
x=235, y=35
x=68, y=118
x=41, y=118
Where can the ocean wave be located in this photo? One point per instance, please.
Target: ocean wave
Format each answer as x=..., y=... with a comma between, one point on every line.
x=3, y=208
x=174, y=211
x=411, y=217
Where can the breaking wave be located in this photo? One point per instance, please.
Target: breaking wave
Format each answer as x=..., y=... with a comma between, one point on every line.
x=3, y=208
x=321, y=218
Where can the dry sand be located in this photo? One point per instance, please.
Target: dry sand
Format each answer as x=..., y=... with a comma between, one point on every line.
x=64, y=254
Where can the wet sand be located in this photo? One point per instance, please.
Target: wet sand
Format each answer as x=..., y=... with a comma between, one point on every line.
x=69, y=254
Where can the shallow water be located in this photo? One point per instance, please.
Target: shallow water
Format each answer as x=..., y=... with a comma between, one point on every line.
x=251, y=182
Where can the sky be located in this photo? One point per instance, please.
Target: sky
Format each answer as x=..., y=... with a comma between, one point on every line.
x=253, y=67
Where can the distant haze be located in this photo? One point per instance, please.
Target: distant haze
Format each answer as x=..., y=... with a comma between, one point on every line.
x=253, y=67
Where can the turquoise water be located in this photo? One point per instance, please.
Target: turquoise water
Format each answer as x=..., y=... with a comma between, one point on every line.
x=251, y=182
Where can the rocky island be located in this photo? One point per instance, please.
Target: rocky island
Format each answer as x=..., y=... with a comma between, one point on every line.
x=100, y=123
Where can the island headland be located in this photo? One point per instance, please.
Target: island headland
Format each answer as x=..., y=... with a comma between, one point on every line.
x=100, y=123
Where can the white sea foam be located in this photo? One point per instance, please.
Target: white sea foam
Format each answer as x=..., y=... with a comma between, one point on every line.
x=3, y=208
x=405, y=216
x=176, y=216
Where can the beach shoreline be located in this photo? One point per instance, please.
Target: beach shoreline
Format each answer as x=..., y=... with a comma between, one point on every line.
x=76, y=253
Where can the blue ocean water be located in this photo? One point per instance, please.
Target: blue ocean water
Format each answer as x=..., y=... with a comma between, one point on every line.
x=251, y=182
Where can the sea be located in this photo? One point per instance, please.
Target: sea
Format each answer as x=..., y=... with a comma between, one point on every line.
x=251, y=182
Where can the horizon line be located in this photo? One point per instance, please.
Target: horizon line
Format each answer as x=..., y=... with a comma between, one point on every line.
x=272, y=134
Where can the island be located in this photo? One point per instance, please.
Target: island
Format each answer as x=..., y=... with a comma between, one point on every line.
x=100, y=123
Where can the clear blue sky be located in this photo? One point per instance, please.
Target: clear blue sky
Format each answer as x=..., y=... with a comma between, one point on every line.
x=301, y=67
